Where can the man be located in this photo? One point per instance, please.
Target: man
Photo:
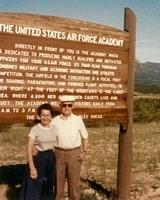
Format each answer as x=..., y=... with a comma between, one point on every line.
x=71, y=148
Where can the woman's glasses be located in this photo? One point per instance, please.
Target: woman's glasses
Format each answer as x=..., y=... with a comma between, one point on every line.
x=64, y=105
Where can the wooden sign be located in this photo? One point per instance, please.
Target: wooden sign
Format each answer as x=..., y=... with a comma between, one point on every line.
x=42, y=57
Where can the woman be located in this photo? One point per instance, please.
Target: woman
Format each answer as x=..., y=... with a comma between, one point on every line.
x=39, y=182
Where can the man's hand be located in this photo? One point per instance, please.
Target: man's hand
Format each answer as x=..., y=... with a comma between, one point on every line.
x=34, y=150
x=81, y=156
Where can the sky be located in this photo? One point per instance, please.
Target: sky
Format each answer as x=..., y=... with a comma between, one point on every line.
x=106, y=12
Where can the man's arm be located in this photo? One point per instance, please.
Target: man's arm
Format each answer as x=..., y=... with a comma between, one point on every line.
x=85, y=144
x=34, y=150
x=84, y=148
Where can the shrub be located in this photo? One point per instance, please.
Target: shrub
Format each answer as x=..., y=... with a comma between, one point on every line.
x=146, y=109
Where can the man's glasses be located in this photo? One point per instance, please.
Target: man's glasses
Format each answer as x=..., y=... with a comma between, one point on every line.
x=64, y=105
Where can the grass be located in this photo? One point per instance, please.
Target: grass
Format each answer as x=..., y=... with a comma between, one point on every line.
x=147, y=109
x=12, y=143
x=146, y=161
x=101, y=161
x=100, y=165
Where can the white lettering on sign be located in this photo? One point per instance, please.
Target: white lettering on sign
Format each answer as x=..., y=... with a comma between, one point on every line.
x=65, y=63
x=111, y=41
x=82, y=103
x=116, y=79
x=24, y=30
x=8, y=59
x=4, y=73
x=75, y=84
x=110, y=67
x=16, y=52
x=19, y=96
x=86, y=59
x=37, y=96
x=28, y=67
x=107, y=73
x=48, y=55
x=80, y=71
x=40, y=82
x=24, y=46
x=6, y=28
x=68, y=57
x=110, y=104
x=109, y=61
x=15, y=81
x=44, y=69
x=19, y=103
x=81, y=78
x=8, y=66
x=87, y=38
x=95, y=53
x=37, y=70
x=3, y=88
x=61, y=35
x=3, y=95
x=51, y=96
x=91, y=97
x=91, y=84
x=96, y=116
x=99, y=104
x=72, y=37
x=30, y=117
x=24, y=60
x=5, y=110
x=47, y=48
x=113, y=98
x=16, y=88
x=53, y=34
x=36, y=61
x=104, y=97
x=29, y=75
x=113, y=55
x=48, y=76
x=60, y=70
x=50, y=62
x=5, y=103
x=86, y=90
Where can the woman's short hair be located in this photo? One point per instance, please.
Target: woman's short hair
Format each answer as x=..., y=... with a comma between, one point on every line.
x=45, y=106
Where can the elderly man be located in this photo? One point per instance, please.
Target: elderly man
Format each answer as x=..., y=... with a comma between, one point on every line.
x=71, y=147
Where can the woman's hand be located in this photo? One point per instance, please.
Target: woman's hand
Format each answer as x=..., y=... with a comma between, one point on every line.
x=33, y=173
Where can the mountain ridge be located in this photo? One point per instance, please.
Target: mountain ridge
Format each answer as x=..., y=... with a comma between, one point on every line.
x=147, y=77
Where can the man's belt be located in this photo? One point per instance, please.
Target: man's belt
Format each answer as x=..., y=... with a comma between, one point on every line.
x=67, y=149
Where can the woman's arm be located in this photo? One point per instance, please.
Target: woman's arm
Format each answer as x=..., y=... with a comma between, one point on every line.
x=33, y=171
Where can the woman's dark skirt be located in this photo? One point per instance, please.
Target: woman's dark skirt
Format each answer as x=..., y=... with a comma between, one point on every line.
x=42, y=188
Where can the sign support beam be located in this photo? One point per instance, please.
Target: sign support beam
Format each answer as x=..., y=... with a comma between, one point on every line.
x=125, y=134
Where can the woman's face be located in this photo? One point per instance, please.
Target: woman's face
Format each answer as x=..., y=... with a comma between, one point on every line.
x=45, y=117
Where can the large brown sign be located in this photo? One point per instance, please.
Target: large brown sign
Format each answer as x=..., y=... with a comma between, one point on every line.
x=42, y=57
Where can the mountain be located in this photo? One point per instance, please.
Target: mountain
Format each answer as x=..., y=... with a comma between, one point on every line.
x=147, y=77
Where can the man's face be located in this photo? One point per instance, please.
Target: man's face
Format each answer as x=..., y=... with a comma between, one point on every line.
x=66, y=108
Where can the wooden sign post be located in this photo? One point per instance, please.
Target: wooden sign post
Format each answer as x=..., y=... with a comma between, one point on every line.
x=125, y=136
x=42, y=57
